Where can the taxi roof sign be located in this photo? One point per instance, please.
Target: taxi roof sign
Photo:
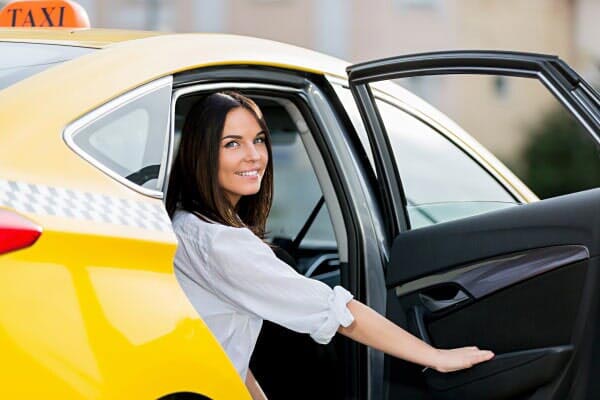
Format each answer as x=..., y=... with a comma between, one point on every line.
x=44, y=14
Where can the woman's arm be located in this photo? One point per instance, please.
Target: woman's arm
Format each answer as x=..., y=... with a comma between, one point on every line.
x=374, y=330
x=254, y=388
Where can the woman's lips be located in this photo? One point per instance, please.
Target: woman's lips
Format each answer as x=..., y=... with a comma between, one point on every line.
x=252, y=173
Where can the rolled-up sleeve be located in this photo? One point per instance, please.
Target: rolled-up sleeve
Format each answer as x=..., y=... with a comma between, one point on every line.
x=248, y=275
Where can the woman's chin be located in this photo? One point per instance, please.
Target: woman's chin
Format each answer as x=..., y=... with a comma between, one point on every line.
x=250, y=191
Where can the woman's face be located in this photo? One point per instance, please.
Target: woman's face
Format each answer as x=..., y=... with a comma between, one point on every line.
x=243, y=155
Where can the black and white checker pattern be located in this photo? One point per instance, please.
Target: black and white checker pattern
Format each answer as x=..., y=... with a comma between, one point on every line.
x=86, y=206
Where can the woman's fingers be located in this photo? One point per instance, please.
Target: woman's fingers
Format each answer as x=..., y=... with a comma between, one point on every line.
x=461, y=358
x=484, y=355
x=478, y=356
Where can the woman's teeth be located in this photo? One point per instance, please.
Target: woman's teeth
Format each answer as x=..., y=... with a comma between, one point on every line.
x=248, y=173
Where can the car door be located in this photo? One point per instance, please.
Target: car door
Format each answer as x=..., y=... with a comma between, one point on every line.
x=522, y=281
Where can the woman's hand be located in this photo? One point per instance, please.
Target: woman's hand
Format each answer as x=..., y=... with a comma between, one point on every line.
x=461, y=358
x=374, y=330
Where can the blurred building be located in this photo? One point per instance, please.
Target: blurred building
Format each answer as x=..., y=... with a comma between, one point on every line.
x=358, y=30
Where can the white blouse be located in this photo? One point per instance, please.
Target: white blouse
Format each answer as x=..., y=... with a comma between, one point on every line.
x=234, y=281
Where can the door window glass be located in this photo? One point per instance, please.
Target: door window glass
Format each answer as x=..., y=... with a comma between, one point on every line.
x=534, y=147
x=441, y=181
x=129, y=140
x=522, y=124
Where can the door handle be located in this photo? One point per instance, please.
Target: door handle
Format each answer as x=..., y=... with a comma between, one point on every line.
x=429, y=304
x=437, y=304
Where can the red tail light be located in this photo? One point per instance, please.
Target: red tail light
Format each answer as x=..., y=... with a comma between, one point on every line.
x=16, y=232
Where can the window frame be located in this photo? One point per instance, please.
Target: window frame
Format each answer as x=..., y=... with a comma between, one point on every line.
x=553, y=73
x=73, y=128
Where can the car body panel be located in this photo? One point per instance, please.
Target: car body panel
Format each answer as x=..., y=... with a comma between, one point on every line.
x=106, y=306
x=92, y=309
x=82, y=321
x=115, y=322
x=81, y=94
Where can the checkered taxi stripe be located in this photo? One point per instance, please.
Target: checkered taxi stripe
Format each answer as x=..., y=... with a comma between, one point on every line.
x=84, y=206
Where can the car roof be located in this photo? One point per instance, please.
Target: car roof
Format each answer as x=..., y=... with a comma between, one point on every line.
x=83, y=37
x=133, y=58
x=125, y=60
x=234, y=48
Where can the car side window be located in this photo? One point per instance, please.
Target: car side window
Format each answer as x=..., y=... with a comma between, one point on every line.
x=128, y=139
x=297, y=190
x=441, y=181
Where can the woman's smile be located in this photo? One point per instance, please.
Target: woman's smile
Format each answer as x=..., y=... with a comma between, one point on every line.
x=253, y=173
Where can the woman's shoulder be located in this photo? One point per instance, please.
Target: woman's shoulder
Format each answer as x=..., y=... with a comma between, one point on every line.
x=212, y=239
x=188, y=223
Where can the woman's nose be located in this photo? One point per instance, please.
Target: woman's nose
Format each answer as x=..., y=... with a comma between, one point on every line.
x=252, y=153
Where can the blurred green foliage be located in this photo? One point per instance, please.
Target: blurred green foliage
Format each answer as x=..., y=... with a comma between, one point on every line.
x=560, y=157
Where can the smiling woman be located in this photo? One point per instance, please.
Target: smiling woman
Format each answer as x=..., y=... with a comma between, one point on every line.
x=231, y=276
x=211, y=171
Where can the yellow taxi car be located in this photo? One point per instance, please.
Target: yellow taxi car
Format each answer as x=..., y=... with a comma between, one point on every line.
x=374, y=189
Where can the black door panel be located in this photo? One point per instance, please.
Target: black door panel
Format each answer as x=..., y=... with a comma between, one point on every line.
x=539, y=312
x=567, y=220
x=537, y=265
x=482, y=278
x=533, y=327
x=506, y=376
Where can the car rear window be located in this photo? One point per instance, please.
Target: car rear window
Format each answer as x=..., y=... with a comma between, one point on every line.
x=21, y=60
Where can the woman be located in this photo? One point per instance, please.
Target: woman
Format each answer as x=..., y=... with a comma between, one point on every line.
x=219, y=198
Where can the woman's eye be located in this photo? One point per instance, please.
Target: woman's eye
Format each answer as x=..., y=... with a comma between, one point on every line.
x=231, y=144
x=259, y=139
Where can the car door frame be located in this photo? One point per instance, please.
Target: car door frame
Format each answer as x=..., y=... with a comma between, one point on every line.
x=567, y=86
x=351, y=176
x=564, y=83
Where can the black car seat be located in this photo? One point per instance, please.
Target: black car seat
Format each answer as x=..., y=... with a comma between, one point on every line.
x=290, y=365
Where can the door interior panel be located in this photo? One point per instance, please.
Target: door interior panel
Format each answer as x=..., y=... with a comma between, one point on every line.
x=530, y=326
x=519, y=281
x=480, y=279
x=566, y=220
x=539, y=312
x=509, y=375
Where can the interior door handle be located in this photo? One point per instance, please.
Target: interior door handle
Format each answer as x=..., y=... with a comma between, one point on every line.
x=436, y=304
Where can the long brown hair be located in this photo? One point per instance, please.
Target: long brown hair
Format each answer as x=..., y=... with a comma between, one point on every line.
x=194, y=185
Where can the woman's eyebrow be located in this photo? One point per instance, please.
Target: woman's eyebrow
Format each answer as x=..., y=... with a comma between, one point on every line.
x=231, y=137
x=240, y=137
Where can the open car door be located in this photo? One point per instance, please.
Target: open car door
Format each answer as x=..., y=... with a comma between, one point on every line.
x=521, y=281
